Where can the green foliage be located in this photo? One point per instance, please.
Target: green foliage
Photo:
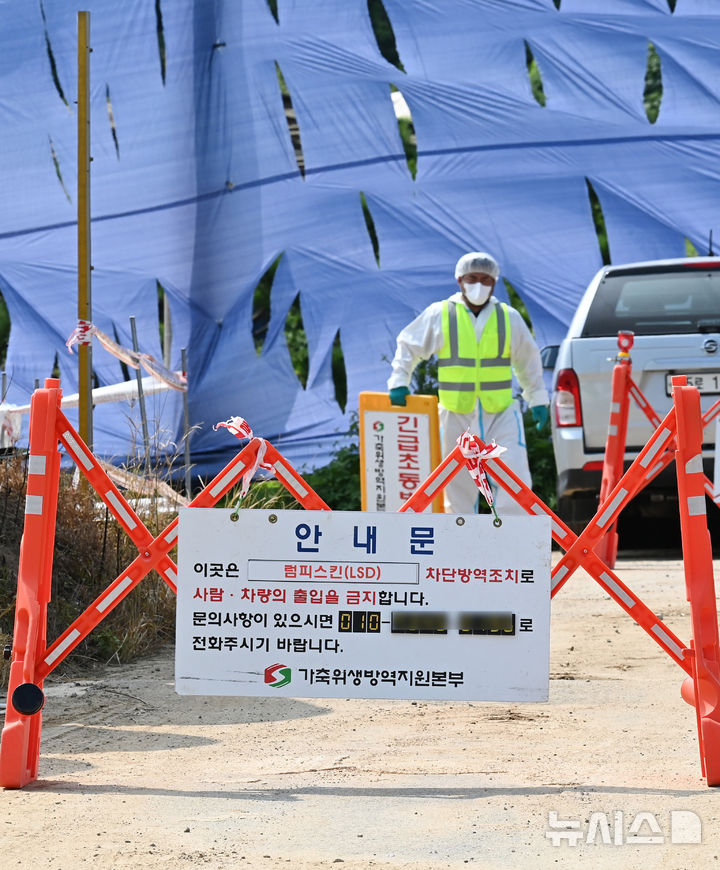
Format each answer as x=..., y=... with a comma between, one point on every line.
x=339, y=373
x=542, y=462
x=534, y=73
x=370, y=224
x=652, y=95
x=273, y=8
x=384, y=33
x=599, y=221
x=516, y=302
x=338, y=483
x=297, y=342
x=424, y=380
x=261, y=305
x=90, y=551
x=407, y=134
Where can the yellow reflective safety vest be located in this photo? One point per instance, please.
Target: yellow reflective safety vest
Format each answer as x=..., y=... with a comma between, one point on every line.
x=470, y=370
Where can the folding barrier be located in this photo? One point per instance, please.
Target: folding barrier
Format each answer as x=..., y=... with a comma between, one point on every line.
x=32, y=661
x=703, y=688
x=623, y=389
x=615, y=445
x=701, y=659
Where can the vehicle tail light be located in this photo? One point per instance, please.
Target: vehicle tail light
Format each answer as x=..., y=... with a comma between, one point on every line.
x=567, y=399
x=701, y=264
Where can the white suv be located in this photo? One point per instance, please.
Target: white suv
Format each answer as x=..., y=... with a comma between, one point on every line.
x=673, y=308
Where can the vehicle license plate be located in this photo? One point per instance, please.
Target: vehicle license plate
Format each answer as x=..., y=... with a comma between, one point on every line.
x=708, y=383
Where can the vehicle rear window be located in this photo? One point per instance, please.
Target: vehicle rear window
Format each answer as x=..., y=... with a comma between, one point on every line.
x=656, y=301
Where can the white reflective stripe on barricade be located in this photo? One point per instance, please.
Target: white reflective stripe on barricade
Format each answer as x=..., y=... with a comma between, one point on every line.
x=37, y=464
x=34, y=505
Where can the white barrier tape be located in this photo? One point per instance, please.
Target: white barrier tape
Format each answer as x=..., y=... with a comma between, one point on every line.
x=122, y=353
x=60, y=648
x=240, y=428
x=37, y=464
x=170, y=534
x=474, y=458
x=250, y=473
x=615, y=407
x=174, y=380
x=83, y=334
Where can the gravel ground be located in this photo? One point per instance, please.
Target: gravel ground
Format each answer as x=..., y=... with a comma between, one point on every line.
x=134, y=776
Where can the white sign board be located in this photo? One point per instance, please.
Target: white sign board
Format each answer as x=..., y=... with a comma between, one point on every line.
x=363, y=605
x=397, y=457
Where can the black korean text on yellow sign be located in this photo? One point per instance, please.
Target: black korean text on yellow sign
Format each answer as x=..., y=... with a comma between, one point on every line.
x=399, y=447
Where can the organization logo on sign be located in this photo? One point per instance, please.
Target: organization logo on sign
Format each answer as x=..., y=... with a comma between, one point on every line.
x=378, y=426
x=277, y=675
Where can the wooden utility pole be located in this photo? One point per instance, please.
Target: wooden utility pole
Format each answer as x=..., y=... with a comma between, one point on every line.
x=83, y=206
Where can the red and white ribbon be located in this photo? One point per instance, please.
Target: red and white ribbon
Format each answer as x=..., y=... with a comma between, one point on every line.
x=82, y=334
x=240, y=428
x=474, y=459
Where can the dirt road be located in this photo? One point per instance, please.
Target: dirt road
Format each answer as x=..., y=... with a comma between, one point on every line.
x=134, y=776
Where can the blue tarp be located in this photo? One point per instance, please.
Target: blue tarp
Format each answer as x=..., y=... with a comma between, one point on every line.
x=199, y=188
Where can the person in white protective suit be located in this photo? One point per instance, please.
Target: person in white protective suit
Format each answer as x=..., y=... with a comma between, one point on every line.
x=479, y=343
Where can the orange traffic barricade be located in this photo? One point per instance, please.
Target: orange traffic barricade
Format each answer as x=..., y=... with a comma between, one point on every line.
x=680, y=431
x=31, y=660
x=624, y=389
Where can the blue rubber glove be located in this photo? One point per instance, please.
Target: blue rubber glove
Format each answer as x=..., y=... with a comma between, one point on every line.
x=541, y=415
x=398, y=394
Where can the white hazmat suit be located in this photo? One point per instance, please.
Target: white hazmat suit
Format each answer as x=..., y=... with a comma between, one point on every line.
x=424, y=337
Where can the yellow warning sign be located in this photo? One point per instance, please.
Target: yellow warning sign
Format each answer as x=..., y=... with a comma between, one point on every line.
x=399, y=447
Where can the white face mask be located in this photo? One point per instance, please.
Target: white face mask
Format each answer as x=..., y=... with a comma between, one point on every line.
x=477, y=293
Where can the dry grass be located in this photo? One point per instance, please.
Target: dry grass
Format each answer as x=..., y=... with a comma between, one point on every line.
x=91, y=550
